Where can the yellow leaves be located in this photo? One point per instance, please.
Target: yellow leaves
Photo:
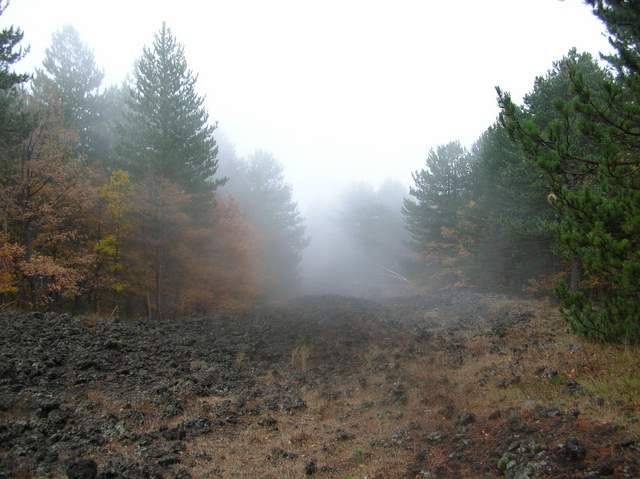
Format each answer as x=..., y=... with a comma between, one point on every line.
x=119, y=286
x=107, y=246
x=117, y=194
x=115, y=223
x=7, y=283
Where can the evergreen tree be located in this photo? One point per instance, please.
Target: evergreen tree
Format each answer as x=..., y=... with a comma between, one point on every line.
x=10, y=53
x=111, y=110
x=267, y=202
x=590, y=154
x=15, y=123
x=167, y=131
x=438, y=193
x=505, y=224
x=372, y=220
x=69, y=82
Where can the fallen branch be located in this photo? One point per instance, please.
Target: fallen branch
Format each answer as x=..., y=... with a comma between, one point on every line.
x=7, y=305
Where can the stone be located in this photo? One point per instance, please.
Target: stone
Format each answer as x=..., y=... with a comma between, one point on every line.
x=82, y=469
x=466, y=418
x=573, y=450
x=310, y=467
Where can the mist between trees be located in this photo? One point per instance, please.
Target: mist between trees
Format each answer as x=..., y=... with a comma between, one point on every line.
x=111, y=197
x=126, y=200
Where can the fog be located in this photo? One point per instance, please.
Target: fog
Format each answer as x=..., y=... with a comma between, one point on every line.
x=347, y=96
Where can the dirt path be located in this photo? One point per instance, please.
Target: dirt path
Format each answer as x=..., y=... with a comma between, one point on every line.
x=451, y=384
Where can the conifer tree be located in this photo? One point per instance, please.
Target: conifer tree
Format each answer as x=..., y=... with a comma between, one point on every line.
x=69, y=82
x=439, y=191
x=167, y=132
x=590, y=154
x=505, y=224
x=15, y=123
x=372, y=220
x=10, y=53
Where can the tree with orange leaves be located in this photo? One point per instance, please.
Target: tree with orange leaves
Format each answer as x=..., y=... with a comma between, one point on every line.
x=44, y=202
x=221, y=262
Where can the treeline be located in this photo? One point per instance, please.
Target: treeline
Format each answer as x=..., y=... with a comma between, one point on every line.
x=550, y=194
x=265, y=199
x=109, y=197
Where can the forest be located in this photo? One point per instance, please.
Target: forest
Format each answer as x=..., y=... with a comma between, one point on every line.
x=117, y=200
x=547, y=198
x=110, y=198
x=174, y=304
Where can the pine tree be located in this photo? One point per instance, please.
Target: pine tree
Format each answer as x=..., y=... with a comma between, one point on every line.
x=15, y=123
x=10, y=53
x=505, y=223
x=167, y=130
x=69, y=82
x=439, y=191
x=431, y=217
x=590, y=154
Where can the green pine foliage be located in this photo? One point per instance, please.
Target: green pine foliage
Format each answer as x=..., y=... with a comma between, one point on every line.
x=167, y=131
x=15, y=122
x=431, y=214
x=439, y=190
x=10, y=53
x=590, y=155
x=69, y=84
x=505, y=226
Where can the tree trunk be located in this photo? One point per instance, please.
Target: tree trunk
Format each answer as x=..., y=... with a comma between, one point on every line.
x=148, y=298
x=157, y=278
x=28, y=253
x=576, y=274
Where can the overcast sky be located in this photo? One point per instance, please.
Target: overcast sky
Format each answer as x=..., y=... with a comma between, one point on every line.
x=336, y=90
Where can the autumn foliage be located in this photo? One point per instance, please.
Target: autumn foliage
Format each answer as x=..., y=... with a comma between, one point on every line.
x=45, y=201
x=75, y=236
x=108, y=198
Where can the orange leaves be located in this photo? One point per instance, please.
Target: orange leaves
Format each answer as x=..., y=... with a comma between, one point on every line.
x=51, y=278
x=213, y=264
x=236, y=272
x=72, y=234
x=188, y=263
x=45, y=202
x=10, y=253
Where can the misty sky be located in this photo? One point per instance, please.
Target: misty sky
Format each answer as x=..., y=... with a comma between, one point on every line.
x=337, y=90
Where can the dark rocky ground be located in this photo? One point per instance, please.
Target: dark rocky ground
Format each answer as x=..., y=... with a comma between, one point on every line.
x=448, y=384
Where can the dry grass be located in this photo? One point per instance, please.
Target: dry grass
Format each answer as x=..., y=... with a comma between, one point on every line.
x=300, y=357
x=104, y=400
x=496, y=373
x=247, y=453
x=608, y=374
